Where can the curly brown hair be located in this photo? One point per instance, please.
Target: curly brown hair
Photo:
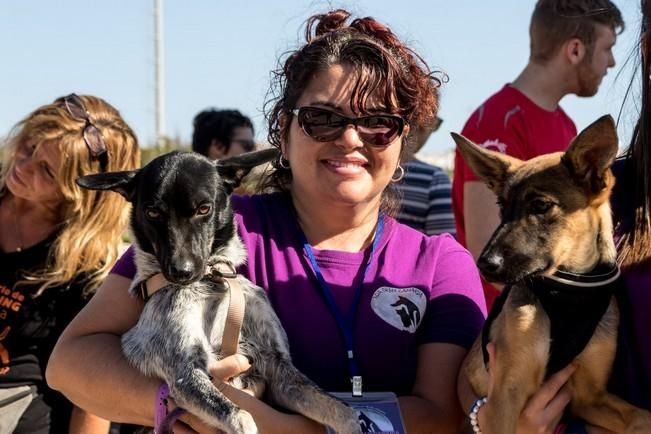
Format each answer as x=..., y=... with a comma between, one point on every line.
x=385, y=66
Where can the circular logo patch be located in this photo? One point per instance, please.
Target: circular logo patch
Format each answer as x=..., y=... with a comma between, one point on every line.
x=403, y=308
x=372, y=420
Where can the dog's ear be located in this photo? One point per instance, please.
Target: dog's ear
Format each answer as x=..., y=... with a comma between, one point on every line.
x=120, y=182
x=491, y=167
x=234, y=169
x=592, y=152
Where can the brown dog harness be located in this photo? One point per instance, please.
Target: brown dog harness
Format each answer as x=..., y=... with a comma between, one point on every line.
x=574, y=303
x=225, y=274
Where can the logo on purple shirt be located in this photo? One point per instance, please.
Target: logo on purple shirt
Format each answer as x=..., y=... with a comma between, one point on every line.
x=403, y=308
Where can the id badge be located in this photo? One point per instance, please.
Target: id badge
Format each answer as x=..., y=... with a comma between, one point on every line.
x=378, y=412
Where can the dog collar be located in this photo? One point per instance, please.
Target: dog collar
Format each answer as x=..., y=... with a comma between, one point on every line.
x=601, y=276
x=221, y=272
x=148, y=287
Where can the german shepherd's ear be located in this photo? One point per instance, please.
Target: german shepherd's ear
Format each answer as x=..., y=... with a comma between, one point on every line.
x=120, y=182
x=234, y=169
x=592, y=152
x=491, y=167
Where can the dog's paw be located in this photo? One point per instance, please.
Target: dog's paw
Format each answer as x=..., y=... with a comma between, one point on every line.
x=243, y=423
x=348, y=422
x=351, y=428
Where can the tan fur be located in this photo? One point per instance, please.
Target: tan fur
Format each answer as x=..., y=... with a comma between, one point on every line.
x=580, y=182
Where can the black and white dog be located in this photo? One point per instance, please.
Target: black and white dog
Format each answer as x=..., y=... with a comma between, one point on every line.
x=183, y=226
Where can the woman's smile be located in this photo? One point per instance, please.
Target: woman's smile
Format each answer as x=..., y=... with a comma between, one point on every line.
x=346, y=166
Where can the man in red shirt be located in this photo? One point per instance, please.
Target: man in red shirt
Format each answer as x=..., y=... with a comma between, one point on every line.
x=571, y=50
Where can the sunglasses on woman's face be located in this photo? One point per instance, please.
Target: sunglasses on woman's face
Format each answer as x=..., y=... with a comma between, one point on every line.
x=325, y=125
x=91, y=134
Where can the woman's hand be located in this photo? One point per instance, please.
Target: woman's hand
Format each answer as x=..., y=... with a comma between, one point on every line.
x=543, y=411
x=221, y=372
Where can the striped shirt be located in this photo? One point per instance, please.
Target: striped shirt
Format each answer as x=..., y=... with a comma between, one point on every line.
x=426, y=199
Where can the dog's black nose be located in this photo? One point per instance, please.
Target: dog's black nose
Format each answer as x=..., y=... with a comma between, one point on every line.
x=182, y=271
x=490, y=265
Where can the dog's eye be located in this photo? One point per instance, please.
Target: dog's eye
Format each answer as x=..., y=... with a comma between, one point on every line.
x=539, y=206
x=203, y=209
x=152, y=213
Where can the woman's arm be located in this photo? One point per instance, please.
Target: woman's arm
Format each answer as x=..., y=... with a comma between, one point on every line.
x=88, y=366
x=433, y=405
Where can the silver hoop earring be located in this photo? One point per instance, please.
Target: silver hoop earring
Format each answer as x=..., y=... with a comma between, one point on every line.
x=283, y=162
x=402, y=174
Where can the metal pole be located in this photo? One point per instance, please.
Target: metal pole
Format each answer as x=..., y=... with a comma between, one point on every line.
x=159, y=82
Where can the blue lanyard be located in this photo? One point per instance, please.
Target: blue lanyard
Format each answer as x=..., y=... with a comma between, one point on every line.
x=345, y=324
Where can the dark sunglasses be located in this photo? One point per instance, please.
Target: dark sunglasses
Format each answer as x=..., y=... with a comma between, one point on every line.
x=325, y=125
x=92, y=136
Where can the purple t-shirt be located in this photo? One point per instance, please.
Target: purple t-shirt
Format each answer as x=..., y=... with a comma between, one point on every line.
x=418, y=289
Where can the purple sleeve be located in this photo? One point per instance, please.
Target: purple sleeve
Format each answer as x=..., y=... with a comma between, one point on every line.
x=457, y=308
x=125, y=266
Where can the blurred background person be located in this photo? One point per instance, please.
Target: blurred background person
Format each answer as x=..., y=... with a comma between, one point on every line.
x=57, y=244
x=222, y=133
x=426, y=202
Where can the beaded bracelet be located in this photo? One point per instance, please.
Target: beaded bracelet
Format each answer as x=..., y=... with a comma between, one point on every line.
x=473, y=414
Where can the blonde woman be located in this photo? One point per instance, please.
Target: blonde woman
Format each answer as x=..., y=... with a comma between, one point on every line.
x=57, y=243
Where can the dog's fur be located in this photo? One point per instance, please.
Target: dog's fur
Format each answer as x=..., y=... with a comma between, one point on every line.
x=555, y=216
x=182, y=221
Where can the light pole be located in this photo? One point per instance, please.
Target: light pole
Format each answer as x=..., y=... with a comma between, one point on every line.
x=159, y=79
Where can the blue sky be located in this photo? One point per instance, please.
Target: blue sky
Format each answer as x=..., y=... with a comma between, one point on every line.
x=220, y=54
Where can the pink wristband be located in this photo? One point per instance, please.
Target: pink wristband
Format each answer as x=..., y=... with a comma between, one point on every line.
x=160, y=406
x=560, y=428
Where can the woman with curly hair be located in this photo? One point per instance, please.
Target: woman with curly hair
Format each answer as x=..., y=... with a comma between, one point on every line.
x=360, y=296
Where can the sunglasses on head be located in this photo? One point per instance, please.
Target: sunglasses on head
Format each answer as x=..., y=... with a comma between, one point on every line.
x=91, y=134
x=325, y=125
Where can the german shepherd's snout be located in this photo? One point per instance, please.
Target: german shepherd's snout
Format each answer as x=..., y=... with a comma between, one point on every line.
x=555, y=247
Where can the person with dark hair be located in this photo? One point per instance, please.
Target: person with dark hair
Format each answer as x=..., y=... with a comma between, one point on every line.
x=426, y=204
x=368, y=304
x=571, y=45
x=222, y=133
x=631, y=202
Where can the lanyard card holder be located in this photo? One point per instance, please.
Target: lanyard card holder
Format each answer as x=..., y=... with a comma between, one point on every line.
x=378, y=412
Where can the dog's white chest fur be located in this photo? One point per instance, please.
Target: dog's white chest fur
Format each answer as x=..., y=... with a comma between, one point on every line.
x=193, y=322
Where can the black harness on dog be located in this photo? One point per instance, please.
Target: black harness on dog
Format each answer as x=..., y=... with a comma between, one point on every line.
x=574, y=303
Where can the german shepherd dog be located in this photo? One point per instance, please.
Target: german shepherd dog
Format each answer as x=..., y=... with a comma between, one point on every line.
x=555, y=247
x=183, y=225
